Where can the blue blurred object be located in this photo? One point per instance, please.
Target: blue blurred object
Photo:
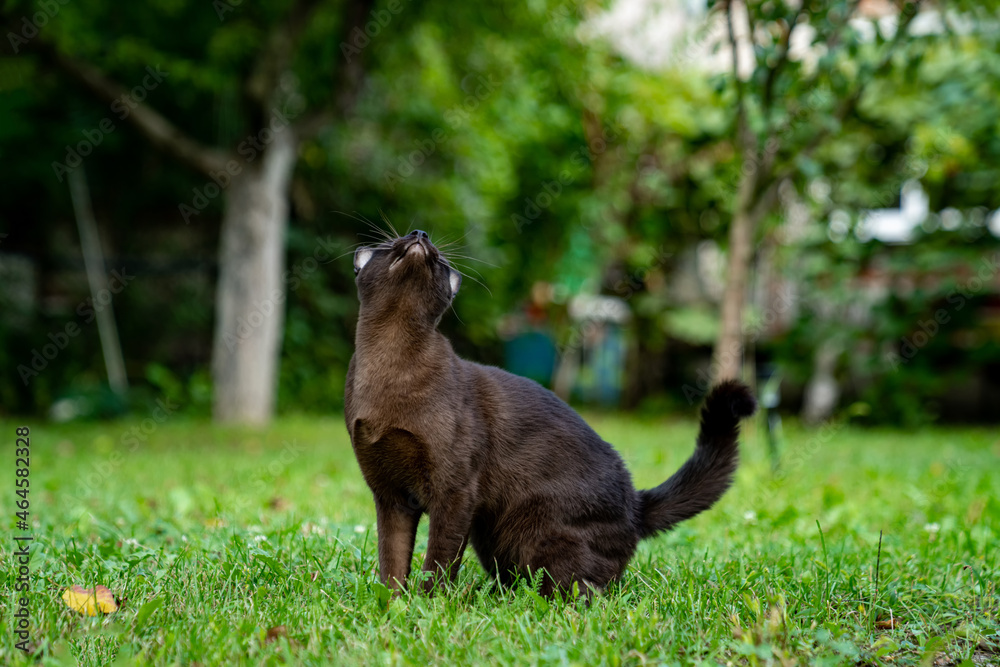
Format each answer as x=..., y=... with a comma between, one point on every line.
x=531, y=354
x=600, y=379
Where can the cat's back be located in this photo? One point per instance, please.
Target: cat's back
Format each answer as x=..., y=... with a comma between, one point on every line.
x=525, y=420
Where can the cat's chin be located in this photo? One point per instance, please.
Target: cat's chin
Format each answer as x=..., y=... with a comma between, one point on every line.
x=416, y=249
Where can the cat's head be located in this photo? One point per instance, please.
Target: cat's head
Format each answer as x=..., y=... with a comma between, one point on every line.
x=405, y=277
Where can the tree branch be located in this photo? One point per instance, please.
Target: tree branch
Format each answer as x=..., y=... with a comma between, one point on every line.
x=311, y=123
x=772, y=73
x=765, y=200
x=160, y=132
x=742, y=126
x=347, y=79
x=348, y=85
x=276, y=57
x=850, y=104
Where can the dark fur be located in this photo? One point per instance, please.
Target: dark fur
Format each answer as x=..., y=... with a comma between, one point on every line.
x=494, y=458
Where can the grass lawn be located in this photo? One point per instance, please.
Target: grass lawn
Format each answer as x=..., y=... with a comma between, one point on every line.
x=228, y=546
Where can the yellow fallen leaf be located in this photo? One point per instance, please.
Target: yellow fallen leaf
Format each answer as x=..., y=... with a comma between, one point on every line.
x=90, y=601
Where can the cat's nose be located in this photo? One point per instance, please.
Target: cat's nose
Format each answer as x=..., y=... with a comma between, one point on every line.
x=419, y=234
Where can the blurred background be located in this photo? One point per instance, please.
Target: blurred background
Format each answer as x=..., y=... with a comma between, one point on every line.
x=644, y=196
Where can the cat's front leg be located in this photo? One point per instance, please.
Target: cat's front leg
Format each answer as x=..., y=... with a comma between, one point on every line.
x=450, y=523
x=397, y=530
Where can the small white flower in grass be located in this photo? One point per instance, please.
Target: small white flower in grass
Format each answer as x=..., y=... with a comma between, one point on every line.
x=260, y=538
x=932, y=527
x=184, y=538
x=750, y=516
x=132, y=542
x=359, y=529
x=309, y=528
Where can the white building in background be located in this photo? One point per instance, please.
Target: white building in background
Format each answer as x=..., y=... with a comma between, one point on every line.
x=900, y=226
x=662, y=34
x=896, y=225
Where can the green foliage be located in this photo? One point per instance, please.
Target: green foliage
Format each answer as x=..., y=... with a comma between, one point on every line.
x=846, y=132
x=540, y=150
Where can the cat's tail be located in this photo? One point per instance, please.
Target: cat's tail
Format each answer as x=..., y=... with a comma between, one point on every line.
x=708, y=473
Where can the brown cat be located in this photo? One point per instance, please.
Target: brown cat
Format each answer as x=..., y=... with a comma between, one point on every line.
x=495, y=459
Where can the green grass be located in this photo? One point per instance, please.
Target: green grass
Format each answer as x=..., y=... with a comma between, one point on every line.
x=211, y=537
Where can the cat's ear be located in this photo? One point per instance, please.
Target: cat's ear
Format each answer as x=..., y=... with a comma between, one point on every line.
x=454, y=281
x=361, y=257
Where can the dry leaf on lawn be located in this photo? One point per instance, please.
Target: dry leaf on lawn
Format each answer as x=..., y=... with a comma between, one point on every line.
x=274, y=633
x=90, y=601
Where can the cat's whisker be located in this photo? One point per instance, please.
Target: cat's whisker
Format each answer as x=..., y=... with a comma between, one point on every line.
x=450, y=242
x=466, y=275
x=455, y=312
x=471, y=259
x=376, y=239
x=388, y=222
x=350, y=251
x=462, y=237
x=381, y=245
x=371, y=225
x=440, y=245
x=470, y=268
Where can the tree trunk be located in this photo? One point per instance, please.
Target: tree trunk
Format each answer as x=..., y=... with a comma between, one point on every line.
x=727, y=359
x=250, y=295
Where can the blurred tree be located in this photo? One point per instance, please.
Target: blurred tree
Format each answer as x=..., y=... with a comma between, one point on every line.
x=785, y=111
x=932, y=121
x=289, y=81
x=517, y=132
